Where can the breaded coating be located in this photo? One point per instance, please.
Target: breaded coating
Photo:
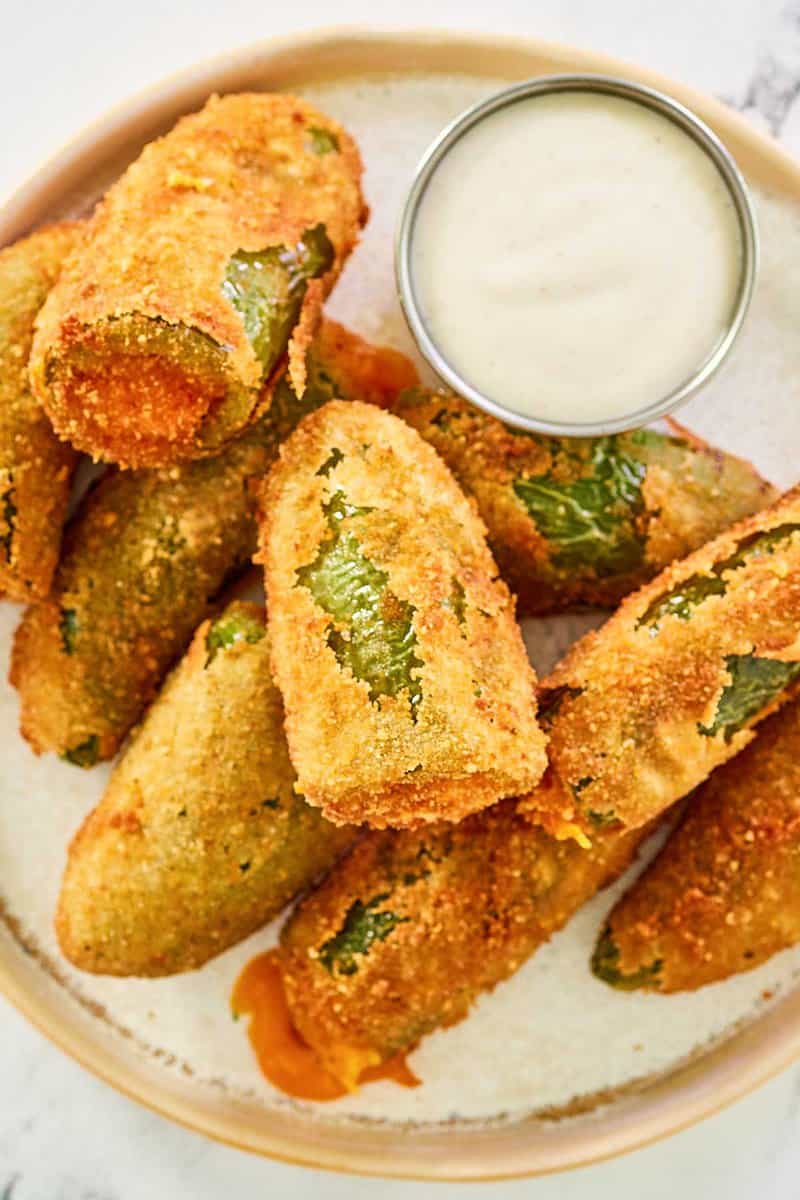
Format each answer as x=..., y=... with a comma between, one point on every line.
x=199, y=839
x=375, y=374
x=642, y=710
x=576, y=521
x=145, y=554
x=723, y=895
x=35, y=467
x=342, y=365
x=411, y=927
x=408, y=693
x=205, y=263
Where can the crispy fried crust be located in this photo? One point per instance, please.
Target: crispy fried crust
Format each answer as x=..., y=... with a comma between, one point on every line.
x=634, y=709
x=411, y=927
x=374, y=374
x=35, y=467
x=143, y=557
x=140, y=357
x=199, y=838
x=422, y=686
x=724, y=893
x=681, y=494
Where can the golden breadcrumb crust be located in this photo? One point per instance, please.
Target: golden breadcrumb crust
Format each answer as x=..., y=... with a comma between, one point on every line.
x=723, y=895
x=411, y=927
x=361, y=370
x=629, y=703
x=35, y=467
x=689, y=493
x=199, y=839
x=461, y=732
x=143, y=556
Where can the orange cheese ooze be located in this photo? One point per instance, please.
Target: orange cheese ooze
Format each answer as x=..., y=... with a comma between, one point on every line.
x=282, y=1055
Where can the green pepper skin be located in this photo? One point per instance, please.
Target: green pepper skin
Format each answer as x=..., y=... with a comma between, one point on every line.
x=584, y=521
x=267, y=289
x=176, y=865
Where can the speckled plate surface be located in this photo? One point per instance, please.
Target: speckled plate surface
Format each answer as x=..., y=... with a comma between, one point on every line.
x=553, y=1069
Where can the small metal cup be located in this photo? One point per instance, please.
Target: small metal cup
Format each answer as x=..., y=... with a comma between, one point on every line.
x=609, y=85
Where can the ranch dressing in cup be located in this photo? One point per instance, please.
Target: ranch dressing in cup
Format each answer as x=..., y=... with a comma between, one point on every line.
x=577, y=255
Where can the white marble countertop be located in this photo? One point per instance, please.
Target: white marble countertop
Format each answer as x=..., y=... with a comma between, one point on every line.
x=64, y=1135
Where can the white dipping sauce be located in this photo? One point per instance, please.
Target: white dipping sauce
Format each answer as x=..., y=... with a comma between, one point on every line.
x=576, y=256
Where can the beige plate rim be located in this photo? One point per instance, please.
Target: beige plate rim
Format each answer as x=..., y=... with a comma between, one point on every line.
x=505, y=1150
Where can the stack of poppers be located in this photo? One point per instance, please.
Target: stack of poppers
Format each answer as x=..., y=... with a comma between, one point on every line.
x=382, y=727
